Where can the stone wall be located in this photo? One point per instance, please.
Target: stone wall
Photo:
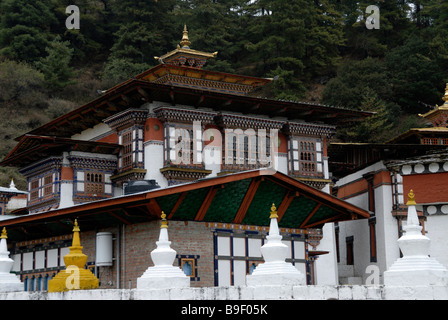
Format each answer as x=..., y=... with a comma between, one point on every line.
x=245, y=293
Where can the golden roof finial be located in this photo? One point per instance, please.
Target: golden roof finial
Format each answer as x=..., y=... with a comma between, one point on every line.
x=411, y=199
x=445, y=97
x=185, y=42
x=76, y=226
x=273, y=212
x=4, y=236
x=164, y=223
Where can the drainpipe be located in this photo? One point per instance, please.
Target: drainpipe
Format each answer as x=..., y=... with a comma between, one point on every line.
x=123, y=254
x=118, y=257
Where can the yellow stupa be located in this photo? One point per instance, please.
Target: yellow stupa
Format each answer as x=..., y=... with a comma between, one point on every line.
x=75, y=276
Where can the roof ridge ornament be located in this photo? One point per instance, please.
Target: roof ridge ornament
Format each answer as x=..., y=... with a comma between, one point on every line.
x=4, y=234
x=164, y=223
x=273, y=212
x=445, y=97
x=185, y=42
x=411, y=199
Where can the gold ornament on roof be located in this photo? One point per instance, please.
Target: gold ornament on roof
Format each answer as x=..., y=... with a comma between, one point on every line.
x=4, y=236
x=164, y=223
x=445, y=97
x=185, y=42
x=411, y=199
x=273, y=212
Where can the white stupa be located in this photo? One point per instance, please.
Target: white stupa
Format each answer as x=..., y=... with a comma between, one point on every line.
x=415, y=267
x=163, y=275
x=275, y=270
x=8, y=281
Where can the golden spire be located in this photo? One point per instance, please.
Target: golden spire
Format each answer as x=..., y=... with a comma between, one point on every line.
x=445, y=97
x=411, y=199
x=76, y=242
x=185, y=42
x=273, y=212
x=4, y=236
x=164, y=223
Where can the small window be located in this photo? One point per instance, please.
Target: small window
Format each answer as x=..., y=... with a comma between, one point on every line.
x=188, y=267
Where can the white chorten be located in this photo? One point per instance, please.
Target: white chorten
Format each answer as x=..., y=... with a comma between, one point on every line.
x=275, y=270
x=8, y=281
x=163, y=274
x=415, y=267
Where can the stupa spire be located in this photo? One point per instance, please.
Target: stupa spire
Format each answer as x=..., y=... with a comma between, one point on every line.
x=75, y=276
x=445, y=96
x=275, y=270
x=163, y=274
x=8, y=281
x=185, y=42
x=415, y=267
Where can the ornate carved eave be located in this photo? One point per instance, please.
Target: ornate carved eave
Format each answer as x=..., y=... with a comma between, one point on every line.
x=166, y=114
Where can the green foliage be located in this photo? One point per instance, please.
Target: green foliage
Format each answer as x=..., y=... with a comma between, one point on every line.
x=348, y=89
x=395, y=71
x=56, y=65
x=376, y=128
x=25, y=28
x=414, y=76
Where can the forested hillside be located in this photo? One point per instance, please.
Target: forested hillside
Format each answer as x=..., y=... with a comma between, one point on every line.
x=320, y=50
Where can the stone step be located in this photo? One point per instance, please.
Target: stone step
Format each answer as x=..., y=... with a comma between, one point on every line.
x=350, y=280
x=345, y=271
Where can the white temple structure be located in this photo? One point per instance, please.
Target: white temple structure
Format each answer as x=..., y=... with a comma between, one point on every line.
x=275, y=270
x=415, y=267
x=163, y=274
x=8, y=281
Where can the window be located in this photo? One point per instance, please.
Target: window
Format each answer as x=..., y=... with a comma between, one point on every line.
x=48, y=185
x=42, y=187
x=131, y=154
x=306, y=157
x=246, y=149
x=187, y=266
x=182, y=146
x=127, y=150
x=430, y=140
x=94, y=183
x=34, y=191
x=350, y=253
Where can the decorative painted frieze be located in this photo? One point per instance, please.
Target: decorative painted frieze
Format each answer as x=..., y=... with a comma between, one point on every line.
x=166, y=114
x=245, y=122
x=321, y=130
x=127, y=118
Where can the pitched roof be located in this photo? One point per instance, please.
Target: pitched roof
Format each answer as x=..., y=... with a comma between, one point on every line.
x=32, y=148
x=135, y=92
x=241, y=198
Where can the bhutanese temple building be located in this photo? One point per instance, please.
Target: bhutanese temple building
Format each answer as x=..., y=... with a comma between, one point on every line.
x=196, y=145
x=378, y=177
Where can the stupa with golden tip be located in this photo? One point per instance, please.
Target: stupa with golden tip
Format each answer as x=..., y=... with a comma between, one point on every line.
x=75, y=276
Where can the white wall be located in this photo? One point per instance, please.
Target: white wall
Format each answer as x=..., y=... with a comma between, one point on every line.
x=326, y=265
x=154, y=162
x=436, y=227
x=386, y=227
x=243, y=293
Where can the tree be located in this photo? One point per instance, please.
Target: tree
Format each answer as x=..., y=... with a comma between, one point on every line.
x=376, y=129
x=26, y=28
x=414, y=76
x=395, y=26
x=146, y=31
x=56, y=65
x=348, y=88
